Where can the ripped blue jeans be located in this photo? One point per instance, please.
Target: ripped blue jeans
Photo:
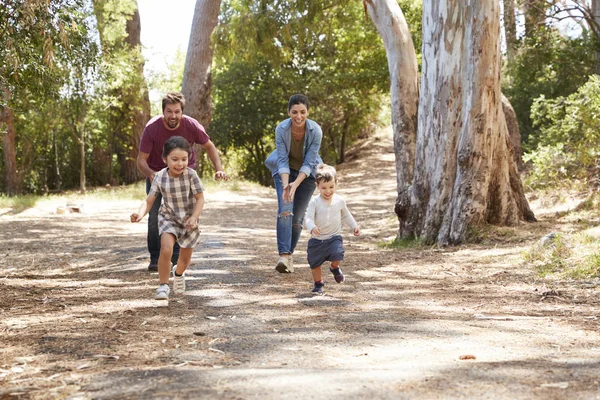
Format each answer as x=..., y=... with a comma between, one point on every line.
x=290, y=216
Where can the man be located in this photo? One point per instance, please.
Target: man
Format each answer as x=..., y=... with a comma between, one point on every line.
x=172, y=122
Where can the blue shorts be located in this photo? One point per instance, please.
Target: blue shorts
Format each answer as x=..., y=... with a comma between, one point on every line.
x=319, y=251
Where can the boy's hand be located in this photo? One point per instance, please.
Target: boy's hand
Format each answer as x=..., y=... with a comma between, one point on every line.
x=191, y=223
x=315, y=231
x=135, y=217
x=356, y=231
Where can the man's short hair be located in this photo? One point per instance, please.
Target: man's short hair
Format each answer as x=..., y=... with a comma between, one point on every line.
x=173, y=98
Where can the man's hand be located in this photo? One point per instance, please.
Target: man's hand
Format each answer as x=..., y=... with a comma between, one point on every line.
x=221, y=175
x=135, y=217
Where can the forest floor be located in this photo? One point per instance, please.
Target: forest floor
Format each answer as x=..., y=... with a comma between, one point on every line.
x=78, y=319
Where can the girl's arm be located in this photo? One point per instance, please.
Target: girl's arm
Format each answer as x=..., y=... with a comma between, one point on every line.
x=144, y=207
x=192, y=221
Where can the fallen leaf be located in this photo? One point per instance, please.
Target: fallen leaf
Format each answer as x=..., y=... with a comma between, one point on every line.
x=467, y=357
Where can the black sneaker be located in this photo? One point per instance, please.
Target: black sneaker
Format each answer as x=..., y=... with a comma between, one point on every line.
x=337, y=274
x=318, y=289
x=153, y=266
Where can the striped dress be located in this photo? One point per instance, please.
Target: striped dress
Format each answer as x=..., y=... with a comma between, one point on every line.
x=177, y=204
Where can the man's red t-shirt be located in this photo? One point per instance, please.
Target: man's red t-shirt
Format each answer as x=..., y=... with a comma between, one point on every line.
x=156, y=134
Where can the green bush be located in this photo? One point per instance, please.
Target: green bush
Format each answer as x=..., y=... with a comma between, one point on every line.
x=569, y=142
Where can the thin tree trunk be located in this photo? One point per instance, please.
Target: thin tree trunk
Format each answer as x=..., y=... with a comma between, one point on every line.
x=139, y=102
x=402, y=63
x=465, y=174
x=595, y=10
x=82, y=173
x=197, y=77
x=510, y=28
x=12, y=185
x=343, y=139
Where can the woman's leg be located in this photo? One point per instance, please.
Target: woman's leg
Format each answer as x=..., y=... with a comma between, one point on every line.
x=284, y=219
x=301, y=199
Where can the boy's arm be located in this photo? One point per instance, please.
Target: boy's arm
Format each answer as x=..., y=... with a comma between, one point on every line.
x=309, y=217
x=349, y=219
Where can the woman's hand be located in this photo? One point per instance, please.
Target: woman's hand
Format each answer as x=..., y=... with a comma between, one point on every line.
x=289, y=191
x=221, y=176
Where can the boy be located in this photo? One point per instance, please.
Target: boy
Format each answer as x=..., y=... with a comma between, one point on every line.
x=324, y=217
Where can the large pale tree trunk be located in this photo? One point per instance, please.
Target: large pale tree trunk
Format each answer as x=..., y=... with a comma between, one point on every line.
x=197, y=78
x=402, y=62
x=12, y=184
x=465, y=174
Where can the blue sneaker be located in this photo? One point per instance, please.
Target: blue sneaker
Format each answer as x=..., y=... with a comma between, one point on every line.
x=337, y=274
x=318, y=289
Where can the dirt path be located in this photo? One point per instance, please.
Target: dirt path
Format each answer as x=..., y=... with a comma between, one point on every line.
x=79, y=322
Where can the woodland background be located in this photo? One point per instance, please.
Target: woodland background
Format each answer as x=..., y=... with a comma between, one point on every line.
x=74, y=99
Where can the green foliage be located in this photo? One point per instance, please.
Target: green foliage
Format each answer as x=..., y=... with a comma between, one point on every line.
x=162, y=82
x=565, y=256
x=267, y=50
x=569, y=141
x=550, y=65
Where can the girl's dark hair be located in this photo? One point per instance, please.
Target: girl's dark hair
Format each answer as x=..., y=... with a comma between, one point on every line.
x=176, y=142
x=173, y=98
x=298, y=99
x=325, y=173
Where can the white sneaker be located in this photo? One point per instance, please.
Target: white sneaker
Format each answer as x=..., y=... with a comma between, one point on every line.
x=178, y=282
x=162, y=293
x=285, y=265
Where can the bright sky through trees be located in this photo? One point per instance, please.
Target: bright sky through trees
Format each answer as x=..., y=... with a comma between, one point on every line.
x=165, y=28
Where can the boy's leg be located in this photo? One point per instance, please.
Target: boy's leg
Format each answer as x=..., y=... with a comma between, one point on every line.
x=167, y=240
x=317, y=274
x=336, y=251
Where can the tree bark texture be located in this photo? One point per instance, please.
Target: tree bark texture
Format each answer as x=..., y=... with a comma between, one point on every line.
x=12, y=184
x=404, y=88
x=197, y=77
x=512, y=124
x=465, y=174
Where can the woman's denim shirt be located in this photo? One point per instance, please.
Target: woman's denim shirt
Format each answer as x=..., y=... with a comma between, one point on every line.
x=278, y=161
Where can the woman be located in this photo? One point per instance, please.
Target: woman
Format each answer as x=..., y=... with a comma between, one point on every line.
x=293, y=164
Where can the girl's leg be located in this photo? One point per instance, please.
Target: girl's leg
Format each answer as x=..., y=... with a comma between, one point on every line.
x=167, y=240
x=185, y=259
x=301, y=199
x=284, y=219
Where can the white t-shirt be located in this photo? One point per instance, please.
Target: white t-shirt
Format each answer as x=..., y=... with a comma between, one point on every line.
x=328, y=216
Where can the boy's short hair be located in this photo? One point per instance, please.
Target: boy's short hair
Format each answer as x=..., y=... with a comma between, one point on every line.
x=326, y=173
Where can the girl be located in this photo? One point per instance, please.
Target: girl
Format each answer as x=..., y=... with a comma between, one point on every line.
x=183, y=201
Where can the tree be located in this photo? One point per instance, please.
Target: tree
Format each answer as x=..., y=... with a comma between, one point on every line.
x=464, y=172
x=404, y=91
x=197, y=76
x=510, y=28
x=127, y=92
x=40, y=39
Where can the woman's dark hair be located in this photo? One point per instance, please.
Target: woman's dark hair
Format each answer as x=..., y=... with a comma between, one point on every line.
x=176, y=142
x=298, y=99
x=173, y=98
